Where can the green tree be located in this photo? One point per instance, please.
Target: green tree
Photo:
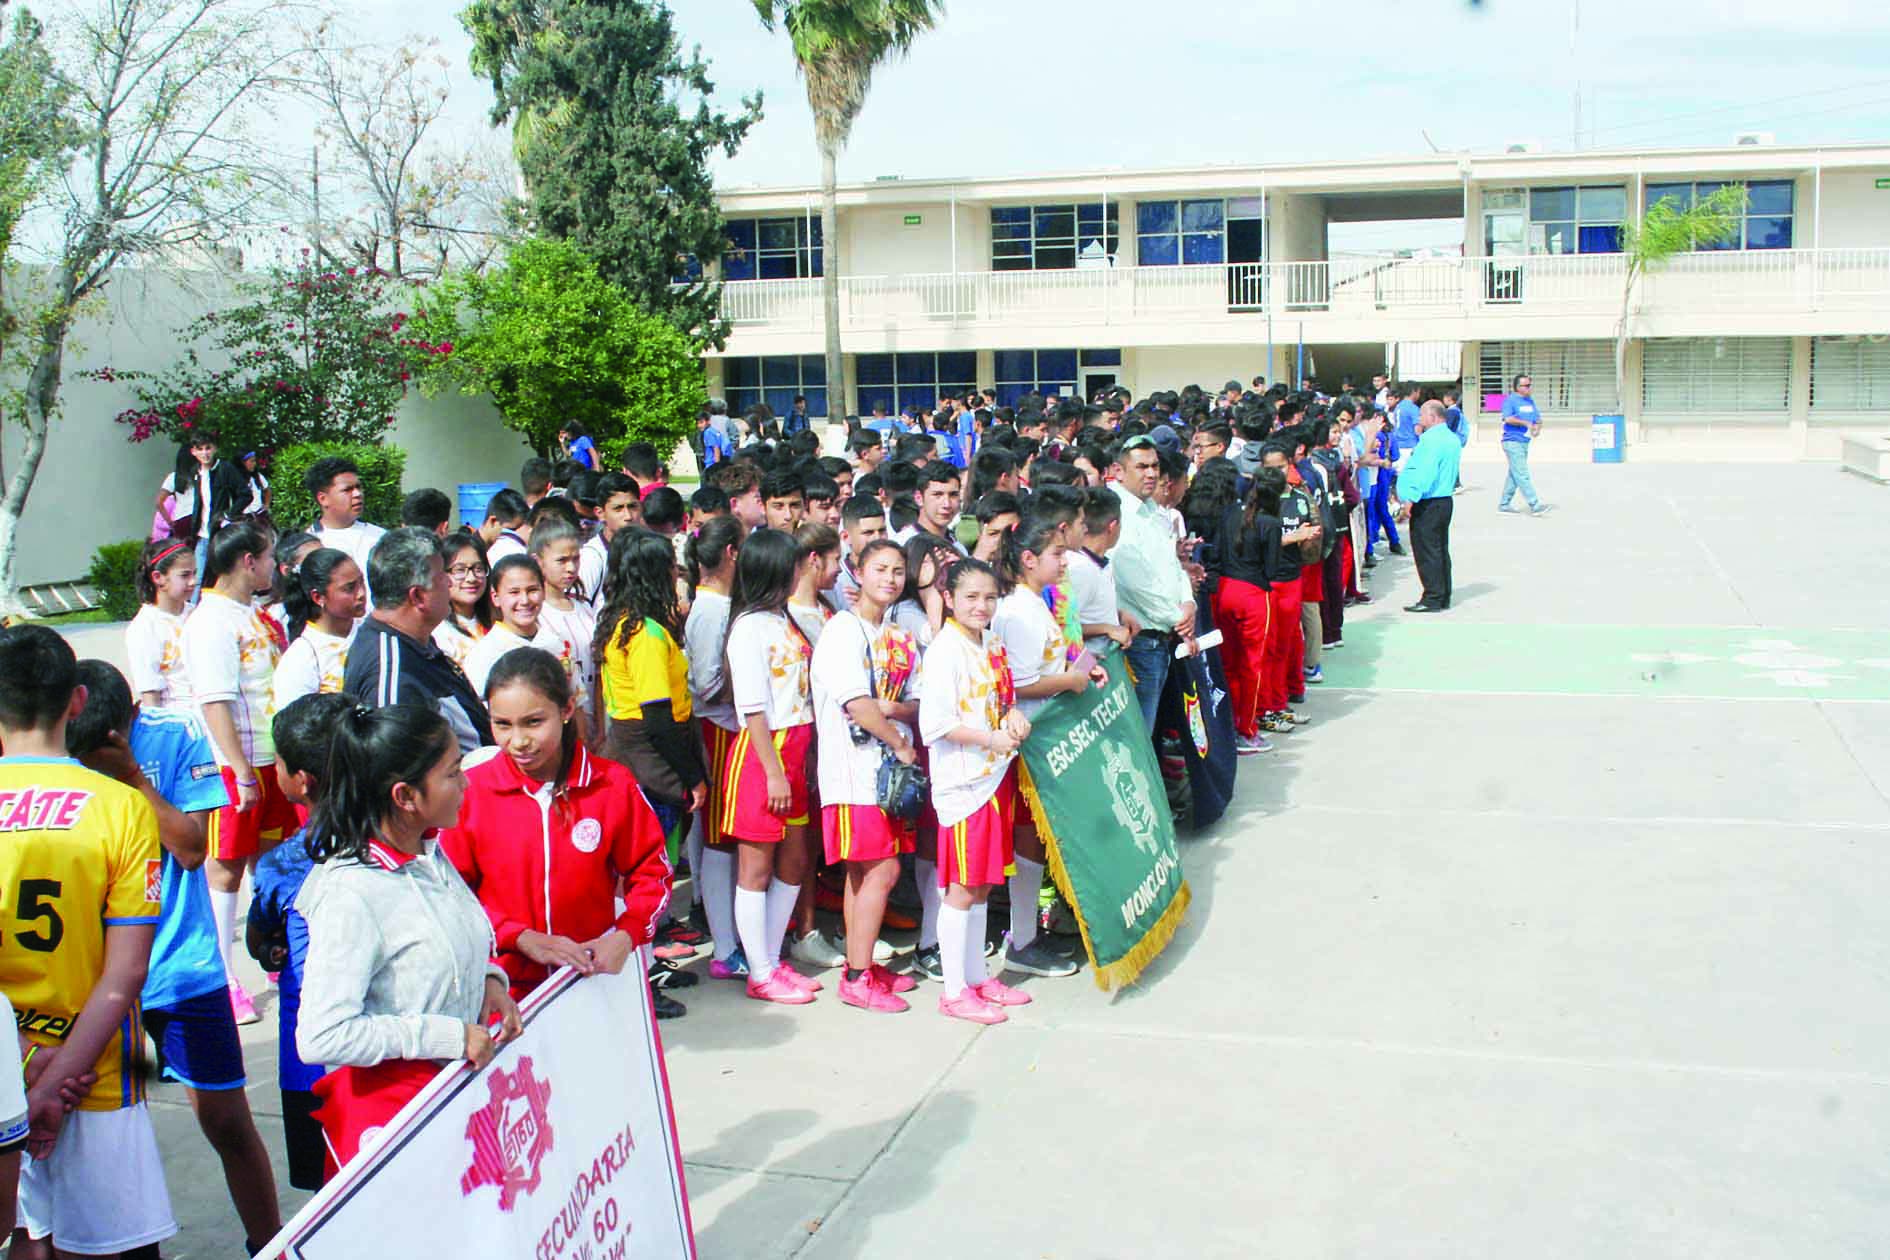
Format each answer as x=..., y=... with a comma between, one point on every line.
x=838, y=44
x=311, y=356
x=552, y=340
x=162, y=165
x=1664, y=232
x=598, y=93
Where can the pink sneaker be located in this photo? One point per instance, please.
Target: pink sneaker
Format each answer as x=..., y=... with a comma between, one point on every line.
x=892, y=983
x=793, y=977
x=969, y=1006
x=734, y=967
x=244, y=1009
x=869, y=995
x=997, y=993
x=775, y=989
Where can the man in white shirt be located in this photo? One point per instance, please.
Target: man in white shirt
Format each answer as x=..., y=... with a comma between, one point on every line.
x=336, y=484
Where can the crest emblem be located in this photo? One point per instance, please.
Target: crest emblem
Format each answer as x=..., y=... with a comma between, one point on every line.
x=1131, y=796
x=1197, y=725
x=510, y=1135
x=587, y=834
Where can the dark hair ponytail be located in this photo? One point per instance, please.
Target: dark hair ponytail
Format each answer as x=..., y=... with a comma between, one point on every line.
x=718, y=536
x=1034, y=535
x=230, y=544
x=283, y=583
x=764, y=577
x=311, y=579
x=159, y=557
x=372, y=750
x=639, y=583
x=543, y=673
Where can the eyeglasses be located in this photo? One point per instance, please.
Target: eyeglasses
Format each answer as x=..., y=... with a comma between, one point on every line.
x=460, y=572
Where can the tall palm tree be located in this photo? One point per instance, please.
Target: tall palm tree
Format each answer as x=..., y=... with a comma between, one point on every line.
x=838, y=44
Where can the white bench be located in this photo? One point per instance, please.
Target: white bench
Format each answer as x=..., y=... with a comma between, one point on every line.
x=1867, y=454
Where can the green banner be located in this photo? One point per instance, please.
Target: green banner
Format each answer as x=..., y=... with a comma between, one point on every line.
x=1094, y=789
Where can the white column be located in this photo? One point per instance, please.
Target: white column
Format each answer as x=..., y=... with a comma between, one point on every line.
x=1799, y=396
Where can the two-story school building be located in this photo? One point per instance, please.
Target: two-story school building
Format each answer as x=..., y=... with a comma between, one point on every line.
x=1771, y=340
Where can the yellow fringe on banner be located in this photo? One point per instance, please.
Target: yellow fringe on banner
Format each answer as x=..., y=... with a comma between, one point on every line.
x=1125, y=970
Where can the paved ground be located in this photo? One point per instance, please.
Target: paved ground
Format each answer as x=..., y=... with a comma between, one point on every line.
x=1560, y=933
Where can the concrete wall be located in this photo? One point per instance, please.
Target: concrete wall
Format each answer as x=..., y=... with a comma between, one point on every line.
x=1149, y=368
x=877, y=242
x=95, y=486
x=1855, y=213
x=1296, y=223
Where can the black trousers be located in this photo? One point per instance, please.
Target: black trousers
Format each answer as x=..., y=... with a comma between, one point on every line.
x=1430, y=545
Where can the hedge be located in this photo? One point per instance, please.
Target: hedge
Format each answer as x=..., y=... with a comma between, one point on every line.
x=292, y=507
x=114, y=575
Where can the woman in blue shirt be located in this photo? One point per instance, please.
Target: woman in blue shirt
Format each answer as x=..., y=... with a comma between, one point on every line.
x=577, y=445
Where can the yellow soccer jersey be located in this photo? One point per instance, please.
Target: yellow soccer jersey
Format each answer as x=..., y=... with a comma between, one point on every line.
x=78, y=853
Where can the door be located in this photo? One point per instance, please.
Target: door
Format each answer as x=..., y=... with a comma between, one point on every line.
x=1095, y=383
x=1505, y=224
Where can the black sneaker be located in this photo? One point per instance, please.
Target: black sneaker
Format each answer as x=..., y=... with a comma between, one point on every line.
x=1039, y=959
x=1396, y=550
x=927, y=964
x=667, y=975
x=666, y=1007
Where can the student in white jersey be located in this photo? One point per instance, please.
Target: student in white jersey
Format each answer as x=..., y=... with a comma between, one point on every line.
x=555, y=546
x=336, y=484
x=865, y=675
x=518, y=596
x=618, y=508
x=328, y=599
x=1045, y=662
x=968, y=717
x=469, y=589
x=154, y=639
x=712, y=555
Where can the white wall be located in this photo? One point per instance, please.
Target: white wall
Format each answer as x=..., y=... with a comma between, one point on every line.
x=1855, y=213
x=1297, y=222
x=1150, y=368
x=95, y=486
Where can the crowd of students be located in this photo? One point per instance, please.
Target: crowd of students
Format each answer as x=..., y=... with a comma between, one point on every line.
x=453, y=761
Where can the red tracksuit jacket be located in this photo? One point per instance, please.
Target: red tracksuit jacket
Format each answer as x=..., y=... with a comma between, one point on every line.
x=557, y=865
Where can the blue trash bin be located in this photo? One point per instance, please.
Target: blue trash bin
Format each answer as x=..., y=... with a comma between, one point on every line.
x=473, y=497
x=1610, y=439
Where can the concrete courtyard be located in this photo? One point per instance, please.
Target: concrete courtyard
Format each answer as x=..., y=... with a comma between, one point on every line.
x=1559, y=933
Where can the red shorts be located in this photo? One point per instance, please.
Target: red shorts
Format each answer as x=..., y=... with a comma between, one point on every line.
x=862, y=833
x=1312, y=582
x=715, y=742
x=745, y=814
x=976, y=851
x=237, y=837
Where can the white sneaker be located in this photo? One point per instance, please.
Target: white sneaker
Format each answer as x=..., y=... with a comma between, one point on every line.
x=882, y=952
x=816, y=950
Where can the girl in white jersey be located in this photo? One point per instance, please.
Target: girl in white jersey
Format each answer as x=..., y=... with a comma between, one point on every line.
x=518, y=592
x=154, y=641
x=470, y=590
x=712, y=555
x=568, y=612
x=328, y=599
x=1041, y=654
x=969, y=720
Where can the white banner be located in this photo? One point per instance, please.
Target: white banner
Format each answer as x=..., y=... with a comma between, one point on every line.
x=563, y=1148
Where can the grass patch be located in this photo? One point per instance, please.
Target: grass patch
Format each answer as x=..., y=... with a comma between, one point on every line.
x=83, y=617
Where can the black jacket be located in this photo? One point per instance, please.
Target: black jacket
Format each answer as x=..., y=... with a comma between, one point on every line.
x=386, y=667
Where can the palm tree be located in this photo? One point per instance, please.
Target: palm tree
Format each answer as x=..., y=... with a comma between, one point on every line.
x=838, y=44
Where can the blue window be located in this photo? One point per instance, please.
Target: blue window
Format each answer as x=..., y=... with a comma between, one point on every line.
x=1584, y=220
x=1102, y=358
x=898, y=381
x=773, y=249
x=1054, y=237
x=1021, y=372
x=1171, y=232
x=1766, y=223
x=775, y=380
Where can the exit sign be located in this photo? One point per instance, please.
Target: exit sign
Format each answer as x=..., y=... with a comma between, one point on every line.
x=913, y=220
x=1883, y=183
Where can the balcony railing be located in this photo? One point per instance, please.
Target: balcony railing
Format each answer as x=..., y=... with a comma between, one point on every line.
x=1779, y=280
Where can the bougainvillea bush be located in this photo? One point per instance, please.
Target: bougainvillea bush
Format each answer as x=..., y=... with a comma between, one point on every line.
x=307, y=356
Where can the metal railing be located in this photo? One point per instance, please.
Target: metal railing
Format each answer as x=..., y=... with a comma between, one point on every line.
x=1784, y=280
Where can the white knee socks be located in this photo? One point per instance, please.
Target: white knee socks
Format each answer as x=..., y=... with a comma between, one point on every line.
x=954, y=927
x=781, y=899
x=751, y=923
x=223, y=910
x=1025, y=885
x=925, y=874
x=716, y=872
x=694, y=845
x=975, y=970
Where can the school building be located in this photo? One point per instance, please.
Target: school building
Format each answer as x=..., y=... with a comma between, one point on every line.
x=1772, y=341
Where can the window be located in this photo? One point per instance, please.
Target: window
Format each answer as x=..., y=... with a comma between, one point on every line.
x=1850, y=376
x=1021, y=371
x=775, y=380
x=1766, y=224
x=1168, y=233
x=1688, y=375
x=773, y=249
x=1053, y=238
x=1574, y=220
x=1569, y=376
x=898, y=381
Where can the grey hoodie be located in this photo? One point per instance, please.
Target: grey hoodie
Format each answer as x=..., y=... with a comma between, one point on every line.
x=397, y=961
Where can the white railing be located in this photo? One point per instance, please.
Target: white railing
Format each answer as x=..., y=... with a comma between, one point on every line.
x=1783, y=280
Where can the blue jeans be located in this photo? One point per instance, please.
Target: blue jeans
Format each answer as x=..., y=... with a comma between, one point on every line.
x=1378, y=512
x=1149, y=657
x=1517, y=453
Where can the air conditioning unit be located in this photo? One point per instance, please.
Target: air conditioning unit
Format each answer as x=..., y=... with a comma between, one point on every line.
x=1755, y=137
x=1523, y=146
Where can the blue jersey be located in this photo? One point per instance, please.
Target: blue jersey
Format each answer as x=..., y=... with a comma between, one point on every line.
x=584, y=451
x=279, y=876
x=1406, y=415
x=1519, y=416
x=175, y=756
x=715, y=447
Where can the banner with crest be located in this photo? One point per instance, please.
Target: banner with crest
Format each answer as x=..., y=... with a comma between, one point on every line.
x=1094, y=789
x=562, y=1148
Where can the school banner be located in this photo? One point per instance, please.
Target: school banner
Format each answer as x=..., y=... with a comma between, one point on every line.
x=1095, y=792
x=562, y=1148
